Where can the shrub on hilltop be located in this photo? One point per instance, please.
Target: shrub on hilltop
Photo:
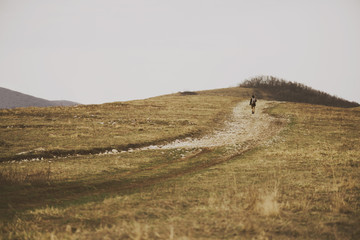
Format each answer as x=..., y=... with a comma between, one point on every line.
x=282, y=90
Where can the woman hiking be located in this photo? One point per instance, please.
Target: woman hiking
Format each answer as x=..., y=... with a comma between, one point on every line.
x=253, y=103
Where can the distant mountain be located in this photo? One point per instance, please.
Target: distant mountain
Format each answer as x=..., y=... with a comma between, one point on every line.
x=13, y=99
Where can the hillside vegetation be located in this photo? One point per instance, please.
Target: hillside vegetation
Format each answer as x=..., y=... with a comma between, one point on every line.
x=299, y=184
x=281, y=90
x=28, y=133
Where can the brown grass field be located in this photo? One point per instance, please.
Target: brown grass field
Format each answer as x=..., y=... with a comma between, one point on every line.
x=299, y=184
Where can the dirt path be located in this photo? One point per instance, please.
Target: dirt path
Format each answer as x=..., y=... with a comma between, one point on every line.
x=242, y=129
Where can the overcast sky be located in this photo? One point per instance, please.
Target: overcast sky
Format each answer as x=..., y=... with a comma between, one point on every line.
x=96, y=51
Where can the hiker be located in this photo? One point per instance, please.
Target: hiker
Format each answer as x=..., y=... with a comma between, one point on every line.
x=253, y=103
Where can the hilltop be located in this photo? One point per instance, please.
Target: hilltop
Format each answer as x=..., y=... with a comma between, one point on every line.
x=273, y=88
x=14, y=99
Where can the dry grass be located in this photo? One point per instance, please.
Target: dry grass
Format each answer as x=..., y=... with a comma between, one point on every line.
x=28, y=133
x=14, y=174
x=301, y=184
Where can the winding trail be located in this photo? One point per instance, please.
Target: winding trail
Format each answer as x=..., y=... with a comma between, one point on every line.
x=242, y=129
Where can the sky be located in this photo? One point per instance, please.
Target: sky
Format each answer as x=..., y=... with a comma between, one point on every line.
x=97, y=51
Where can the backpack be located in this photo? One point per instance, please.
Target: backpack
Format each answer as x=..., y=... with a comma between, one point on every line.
x=253, y=101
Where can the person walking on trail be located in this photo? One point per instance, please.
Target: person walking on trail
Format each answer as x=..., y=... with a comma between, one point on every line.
x=253, y=103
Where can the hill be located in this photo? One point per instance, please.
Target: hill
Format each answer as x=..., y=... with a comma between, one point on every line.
x=14, y=99
x=181, y=166
x=273, y=88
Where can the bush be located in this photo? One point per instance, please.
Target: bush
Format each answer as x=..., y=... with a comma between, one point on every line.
x=188, y=93
x=282, y=90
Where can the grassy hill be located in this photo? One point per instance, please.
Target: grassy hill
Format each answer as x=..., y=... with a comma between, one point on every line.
x=299, y=184
x=58, y=131
x=14, y=99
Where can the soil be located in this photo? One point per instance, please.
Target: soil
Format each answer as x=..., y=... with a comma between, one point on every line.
x=242, y=130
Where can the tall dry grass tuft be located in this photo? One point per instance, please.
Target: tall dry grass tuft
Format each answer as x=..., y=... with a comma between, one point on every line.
x=14, y=174
x=263, y=202
x=338, y=198
x=267, y=204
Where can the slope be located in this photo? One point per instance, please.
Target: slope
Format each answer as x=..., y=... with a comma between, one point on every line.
x=297, y=184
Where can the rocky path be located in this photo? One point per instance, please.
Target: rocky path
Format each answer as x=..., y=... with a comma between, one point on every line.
x=240, y=132
x=242, y=129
